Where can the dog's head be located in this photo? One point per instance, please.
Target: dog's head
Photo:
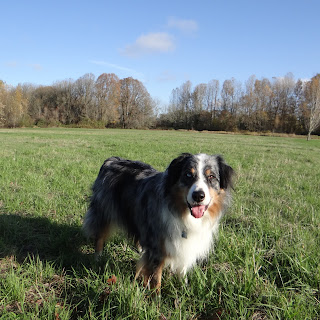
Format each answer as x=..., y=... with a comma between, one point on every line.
x=199, y=183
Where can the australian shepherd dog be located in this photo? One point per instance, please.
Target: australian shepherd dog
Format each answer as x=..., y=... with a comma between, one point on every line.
x=173, y=215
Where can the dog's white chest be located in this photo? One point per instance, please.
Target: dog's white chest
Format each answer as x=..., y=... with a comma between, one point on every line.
x=185, y=249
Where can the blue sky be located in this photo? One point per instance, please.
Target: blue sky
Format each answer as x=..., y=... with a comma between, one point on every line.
x=161, y=43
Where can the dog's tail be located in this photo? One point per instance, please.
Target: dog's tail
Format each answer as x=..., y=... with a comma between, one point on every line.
x=97, y=229
x=91, y=225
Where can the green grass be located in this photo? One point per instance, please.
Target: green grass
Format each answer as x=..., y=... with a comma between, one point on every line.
x=266, y=261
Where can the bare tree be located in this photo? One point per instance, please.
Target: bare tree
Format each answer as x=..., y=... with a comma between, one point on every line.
x=230, y=93
x=312, y=115
x=199, y=97
x=43, y=104
x=66, y=100
x=283, y=103
x=212, y=94
x=85, y=97
x=199, y=114
x=185, y=102
x=136, y=105
x=175, y=116
x=263, y=94
x=231, y=98
x=108, y=97
x=248, y=105
x=3, y=101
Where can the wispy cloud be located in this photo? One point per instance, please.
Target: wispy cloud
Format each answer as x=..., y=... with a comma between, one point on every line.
x=128, y=71
x=16, y=64
x=166, y=76
x=151, y=43
x=112, y=65
x=11, y=64
x=36, y=66
x=187, y=26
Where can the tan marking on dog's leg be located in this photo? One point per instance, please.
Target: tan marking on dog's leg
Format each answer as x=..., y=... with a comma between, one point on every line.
x=143, y=271
x=155, y=282
x=101, y=238
x=140, y=268
x=151, y=279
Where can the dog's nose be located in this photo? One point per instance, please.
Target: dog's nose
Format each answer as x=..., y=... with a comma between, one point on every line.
x=198, y=196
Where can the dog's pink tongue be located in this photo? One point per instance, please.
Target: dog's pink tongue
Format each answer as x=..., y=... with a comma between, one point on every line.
x=198, y=211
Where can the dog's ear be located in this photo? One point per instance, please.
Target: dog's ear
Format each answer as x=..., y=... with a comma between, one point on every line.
x=226, y=173
x=175, y=168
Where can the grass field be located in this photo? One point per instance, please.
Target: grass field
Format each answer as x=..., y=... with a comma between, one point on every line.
x=265, y=264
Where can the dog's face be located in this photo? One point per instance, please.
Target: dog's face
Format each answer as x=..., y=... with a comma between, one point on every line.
x=201, y=181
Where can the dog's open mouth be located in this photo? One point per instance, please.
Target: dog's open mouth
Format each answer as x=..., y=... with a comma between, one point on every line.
x=198, y=210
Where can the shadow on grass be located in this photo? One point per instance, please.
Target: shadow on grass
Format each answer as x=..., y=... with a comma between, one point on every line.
x=26, y=238
x=22, y=236
x=65, y=245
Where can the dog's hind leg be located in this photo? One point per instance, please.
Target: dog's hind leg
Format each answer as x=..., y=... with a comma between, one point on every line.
x=155, y=281
x=151, y=271
x=100, y=239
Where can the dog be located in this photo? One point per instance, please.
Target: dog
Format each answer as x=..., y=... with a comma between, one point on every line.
x=174, y=215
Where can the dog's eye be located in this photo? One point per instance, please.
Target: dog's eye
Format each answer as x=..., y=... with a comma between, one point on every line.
x=189, y=175
x=211, y=177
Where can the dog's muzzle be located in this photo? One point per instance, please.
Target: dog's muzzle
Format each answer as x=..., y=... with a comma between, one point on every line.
x=197, y=209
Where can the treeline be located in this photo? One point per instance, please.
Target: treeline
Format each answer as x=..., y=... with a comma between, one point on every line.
x=103, y=102
x=281, y=105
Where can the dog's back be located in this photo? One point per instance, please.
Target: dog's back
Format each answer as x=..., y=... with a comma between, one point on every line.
x=114, y=192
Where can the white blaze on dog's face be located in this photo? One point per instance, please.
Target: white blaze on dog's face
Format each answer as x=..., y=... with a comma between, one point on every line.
x=201, y=176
